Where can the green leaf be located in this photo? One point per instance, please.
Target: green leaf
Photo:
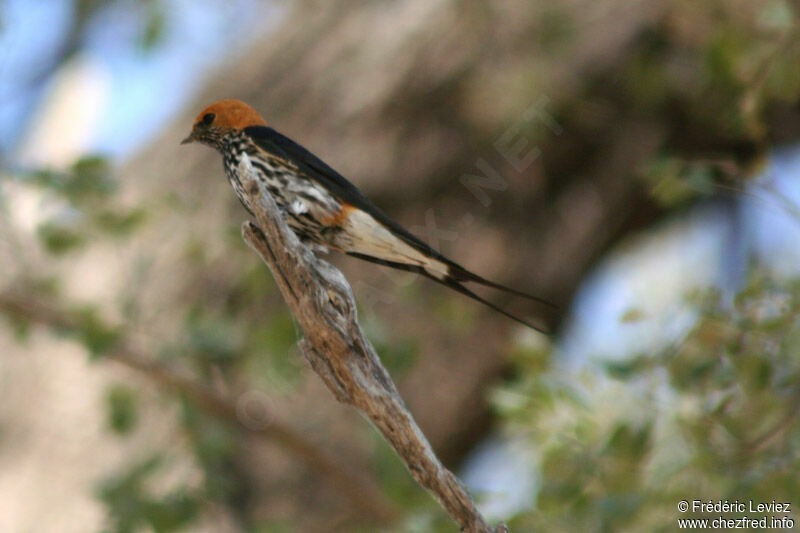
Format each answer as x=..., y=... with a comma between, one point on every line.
x=90, y=177
x=98, y=337
x=215, y=338
x=632, y=315
x=122, y=409
x=628, y=368
x=171, y=513
x=398, y=355
x=119, y=223
x=154, y=26
x=132, y=508
x=59, y=239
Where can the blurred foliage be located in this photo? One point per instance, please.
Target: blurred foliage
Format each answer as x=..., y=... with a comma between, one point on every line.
x=675, y=182
x=85, y=206
x=717, y=68
x=98, y=337
x=216, y=446
x=714, y=417
x=154, y=25
x=133, y=506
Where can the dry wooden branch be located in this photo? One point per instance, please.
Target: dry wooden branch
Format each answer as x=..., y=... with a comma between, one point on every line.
x=361, y=493
x=335, y=347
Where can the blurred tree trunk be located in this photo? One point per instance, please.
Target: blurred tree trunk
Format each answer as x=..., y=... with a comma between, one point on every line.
x=477, y=125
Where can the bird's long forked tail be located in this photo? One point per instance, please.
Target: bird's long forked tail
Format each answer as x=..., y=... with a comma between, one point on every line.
x=459, y=274
x=455, y=280
x=458, y=287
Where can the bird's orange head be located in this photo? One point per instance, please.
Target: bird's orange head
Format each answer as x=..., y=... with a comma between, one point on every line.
x=220, y=119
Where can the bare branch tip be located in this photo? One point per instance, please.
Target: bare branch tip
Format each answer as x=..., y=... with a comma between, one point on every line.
x=337, y=350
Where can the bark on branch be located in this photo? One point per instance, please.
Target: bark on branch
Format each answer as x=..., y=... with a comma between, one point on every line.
x=336, y=348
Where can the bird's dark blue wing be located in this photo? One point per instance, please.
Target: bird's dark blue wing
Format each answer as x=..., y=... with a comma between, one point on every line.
x=314, y=168
x=281, y=146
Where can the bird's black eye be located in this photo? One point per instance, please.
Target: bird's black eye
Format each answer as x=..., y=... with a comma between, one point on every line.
x=208, y=118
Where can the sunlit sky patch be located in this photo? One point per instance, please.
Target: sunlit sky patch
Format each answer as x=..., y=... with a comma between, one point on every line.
x=650, y=275
x=146, y=85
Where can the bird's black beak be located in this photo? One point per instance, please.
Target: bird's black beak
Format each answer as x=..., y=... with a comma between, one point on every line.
x=188, y=139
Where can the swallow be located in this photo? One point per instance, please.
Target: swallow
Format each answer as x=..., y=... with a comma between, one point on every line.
x=320, y=206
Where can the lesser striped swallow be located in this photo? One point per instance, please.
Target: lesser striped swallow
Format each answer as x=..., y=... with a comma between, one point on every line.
x=323, y=208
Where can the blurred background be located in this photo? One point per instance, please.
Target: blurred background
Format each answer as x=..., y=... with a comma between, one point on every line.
x=635, y=162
